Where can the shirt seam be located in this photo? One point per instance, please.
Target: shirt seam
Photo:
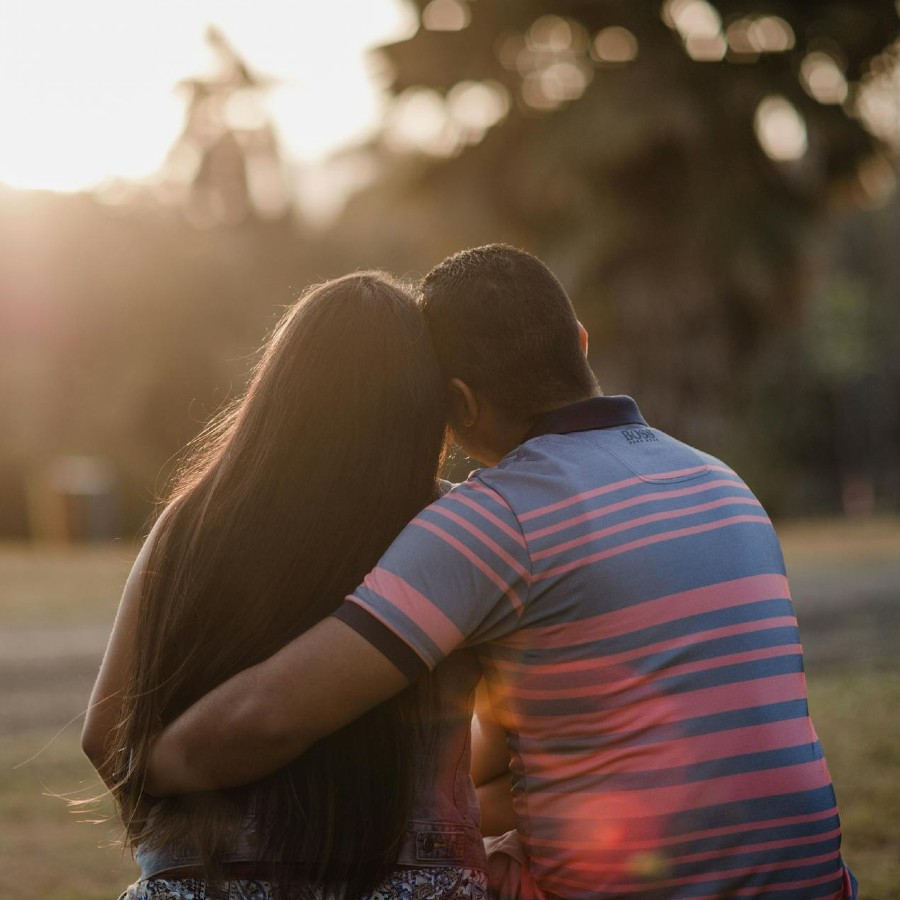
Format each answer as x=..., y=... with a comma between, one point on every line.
x=524, y=797
x=525, y=544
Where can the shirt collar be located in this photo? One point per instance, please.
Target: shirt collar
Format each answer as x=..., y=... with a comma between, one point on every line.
x=587, y=415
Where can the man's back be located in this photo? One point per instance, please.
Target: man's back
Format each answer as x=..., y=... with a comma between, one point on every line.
x=654, y=692
x=628, y=599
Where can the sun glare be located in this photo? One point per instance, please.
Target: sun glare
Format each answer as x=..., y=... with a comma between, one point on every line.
x=87, y=92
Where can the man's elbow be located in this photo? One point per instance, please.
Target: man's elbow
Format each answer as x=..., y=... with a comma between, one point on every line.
x=253, y=737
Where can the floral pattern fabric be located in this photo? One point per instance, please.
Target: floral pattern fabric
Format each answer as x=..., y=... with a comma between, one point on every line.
x=405, y=884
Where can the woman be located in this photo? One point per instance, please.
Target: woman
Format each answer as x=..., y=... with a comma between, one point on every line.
x=281, y=508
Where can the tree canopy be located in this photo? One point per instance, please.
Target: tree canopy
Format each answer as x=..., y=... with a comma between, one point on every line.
x=672, y=161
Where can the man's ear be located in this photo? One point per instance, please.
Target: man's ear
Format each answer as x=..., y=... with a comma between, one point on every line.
x=583, y=338
x=463, y=405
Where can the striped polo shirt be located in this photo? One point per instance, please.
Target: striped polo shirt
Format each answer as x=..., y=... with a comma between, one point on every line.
x=627, y=597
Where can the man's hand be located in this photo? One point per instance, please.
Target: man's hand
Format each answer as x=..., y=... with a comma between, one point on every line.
x=490, y=767
x=267, y=715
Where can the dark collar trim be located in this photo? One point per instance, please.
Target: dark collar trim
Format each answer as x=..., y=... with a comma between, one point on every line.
x=588, y=415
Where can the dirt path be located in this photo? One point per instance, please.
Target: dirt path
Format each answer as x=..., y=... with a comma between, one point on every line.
x=46, y=674
x=849, y=617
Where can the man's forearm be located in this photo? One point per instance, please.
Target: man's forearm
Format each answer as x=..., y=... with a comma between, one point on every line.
x=266, y=716
x=221, y=741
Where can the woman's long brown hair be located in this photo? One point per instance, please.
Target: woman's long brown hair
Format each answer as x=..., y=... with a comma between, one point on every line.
x=281, y=508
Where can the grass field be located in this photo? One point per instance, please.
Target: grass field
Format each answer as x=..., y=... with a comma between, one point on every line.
x=56, y=609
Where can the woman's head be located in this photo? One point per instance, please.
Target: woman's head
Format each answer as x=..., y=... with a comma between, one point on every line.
x=346, y=390
x=350, y=364
x=282, y=506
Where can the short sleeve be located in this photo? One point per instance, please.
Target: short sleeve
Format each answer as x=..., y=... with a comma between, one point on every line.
x=458, y=574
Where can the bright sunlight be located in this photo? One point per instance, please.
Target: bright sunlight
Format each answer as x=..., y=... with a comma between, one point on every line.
x=88, y=91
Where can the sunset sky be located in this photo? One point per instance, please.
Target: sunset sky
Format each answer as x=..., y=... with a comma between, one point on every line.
x=87, y=89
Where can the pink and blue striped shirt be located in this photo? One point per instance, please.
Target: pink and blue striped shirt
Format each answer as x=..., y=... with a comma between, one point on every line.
x=628, y=601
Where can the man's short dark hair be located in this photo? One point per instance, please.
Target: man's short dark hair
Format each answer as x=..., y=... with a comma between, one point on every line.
x=501, y=321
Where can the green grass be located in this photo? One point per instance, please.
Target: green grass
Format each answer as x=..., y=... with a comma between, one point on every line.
x=57, y=586
x=858, y=720
x=46, y=849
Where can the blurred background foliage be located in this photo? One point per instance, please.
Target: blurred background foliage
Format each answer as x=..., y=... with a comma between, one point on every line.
x=714, y=183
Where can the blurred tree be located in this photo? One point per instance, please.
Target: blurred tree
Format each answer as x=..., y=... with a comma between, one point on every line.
x=122, y=330
x=226, y=164
x=830, y=386
x=671, y=161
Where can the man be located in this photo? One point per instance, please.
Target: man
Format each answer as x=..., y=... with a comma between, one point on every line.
x=627, y=597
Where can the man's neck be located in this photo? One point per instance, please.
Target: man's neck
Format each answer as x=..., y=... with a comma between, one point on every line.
x=514, y=433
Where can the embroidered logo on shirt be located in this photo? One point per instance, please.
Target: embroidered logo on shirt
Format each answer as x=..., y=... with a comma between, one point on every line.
x=639, y=436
